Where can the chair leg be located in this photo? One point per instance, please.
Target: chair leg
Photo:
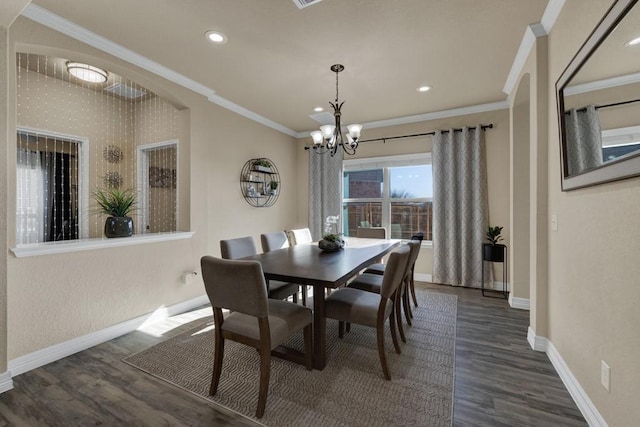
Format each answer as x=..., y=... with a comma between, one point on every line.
x=295, y=298
x=398, y=315
x=304, y=295
x=383, y=358
x=407, y=306
x=394, y=337
x=265, y=368
x=412, y=287
x=308, y=347
x=217, y=363
x=348, y=326
x=341, y=329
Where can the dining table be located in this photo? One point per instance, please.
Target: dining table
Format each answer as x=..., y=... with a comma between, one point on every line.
x=307, y=264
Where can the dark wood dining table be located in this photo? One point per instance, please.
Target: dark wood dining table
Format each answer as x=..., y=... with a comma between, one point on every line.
x=306, y=264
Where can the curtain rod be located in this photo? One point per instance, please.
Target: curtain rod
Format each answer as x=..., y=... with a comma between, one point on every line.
x=614, y=104
x=384, y=140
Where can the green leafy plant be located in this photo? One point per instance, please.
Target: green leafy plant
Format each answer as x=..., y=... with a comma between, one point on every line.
x=332, y=237
x=115, y=202
x=273, y=185
x=262, y=162
x=493, y=234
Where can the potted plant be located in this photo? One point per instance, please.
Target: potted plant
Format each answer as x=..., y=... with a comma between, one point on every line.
x=331, y=242
x=262, y=165
x=117, y=204
x=274, y=187
x=493, y=251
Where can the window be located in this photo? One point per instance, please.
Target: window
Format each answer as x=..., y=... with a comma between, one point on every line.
x=392, y=192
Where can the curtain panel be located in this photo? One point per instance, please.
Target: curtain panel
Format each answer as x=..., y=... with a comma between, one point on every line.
x=460, y=207
x=584, y=139
x=325, y=191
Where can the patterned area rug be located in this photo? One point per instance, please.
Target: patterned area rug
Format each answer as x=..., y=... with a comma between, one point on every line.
x=350, y=391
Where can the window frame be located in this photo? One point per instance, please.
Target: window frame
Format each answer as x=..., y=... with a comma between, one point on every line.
x=386, y=163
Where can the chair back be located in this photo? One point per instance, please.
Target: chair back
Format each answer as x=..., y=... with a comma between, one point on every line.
x=372, y=232
x=414, y=251
x=272, y=241
x=238, y=248
x=418, y=236
x=394, y=271
x=236, y=285
x=302, y=235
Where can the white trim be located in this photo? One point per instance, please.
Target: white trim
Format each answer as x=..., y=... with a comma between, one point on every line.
x=579, y=396
x=423, y=277
x=83, y=165
x=388, y=161
x=533, y=31
x=519, y=303
x=537, y=343
x=68, y=28
x=602, y=84
x=64, y=246
x=55, y=352
x=6, y=383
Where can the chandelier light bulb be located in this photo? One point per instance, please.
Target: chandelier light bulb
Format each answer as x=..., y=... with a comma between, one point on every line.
x=317, y=137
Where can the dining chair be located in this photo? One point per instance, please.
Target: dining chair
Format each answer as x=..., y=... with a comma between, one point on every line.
x=256, y=320
x=378, y=268
x=246, y=246
x=278, y=240
x=371, y=232
x=373, y=283
x=299, y=236
x=370, y=309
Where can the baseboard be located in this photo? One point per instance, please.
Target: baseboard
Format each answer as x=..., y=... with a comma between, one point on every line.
x=579, y=396
x=6, y=383
x=423, y=277
x=519, y=303
x=55, y=352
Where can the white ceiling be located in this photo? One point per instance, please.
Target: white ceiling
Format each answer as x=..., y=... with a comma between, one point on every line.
x=277, y=58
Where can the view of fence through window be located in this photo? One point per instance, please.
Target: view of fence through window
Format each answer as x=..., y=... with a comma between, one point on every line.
x=398, y=198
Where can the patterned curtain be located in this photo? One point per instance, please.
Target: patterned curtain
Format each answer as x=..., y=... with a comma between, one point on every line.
x=584, y=139
x=460, y=207
x=325, y=190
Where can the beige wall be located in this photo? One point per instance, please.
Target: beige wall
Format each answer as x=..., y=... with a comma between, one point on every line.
x=593, y=267
x=497, y=143
x=4, y=207
x=55, y=298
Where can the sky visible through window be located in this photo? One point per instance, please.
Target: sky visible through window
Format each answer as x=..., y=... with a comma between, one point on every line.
x=414, y=180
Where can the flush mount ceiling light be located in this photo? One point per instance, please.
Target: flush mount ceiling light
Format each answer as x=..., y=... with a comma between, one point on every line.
x=216, y=37
x=329, y=137
x=424, y=89
x=86, y=72
x=318, y=109
x=633, y=42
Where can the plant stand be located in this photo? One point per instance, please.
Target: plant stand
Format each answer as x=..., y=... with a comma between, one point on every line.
x=495, y=253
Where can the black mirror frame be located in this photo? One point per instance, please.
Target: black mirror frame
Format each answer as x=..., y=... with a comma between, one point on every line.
x=626, y=167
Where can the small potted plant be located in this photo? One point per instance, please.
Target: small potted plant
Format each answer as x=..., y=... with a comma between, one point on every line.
x=493, y=251
x=274, y=187
x=117, y=204
x=331, y=242
x=262, y=165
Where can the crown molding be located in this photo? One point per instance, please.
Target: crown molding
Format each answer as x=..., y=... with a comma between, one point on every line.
x=43, y=16
x=532, y=32
x=454, y=112
x=602, y=84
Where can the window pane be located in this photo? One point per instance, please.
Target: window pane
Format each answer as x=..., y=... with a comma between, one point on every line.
x=363, y=184
x=409, y=218
x=361, y=214
x=408, y=182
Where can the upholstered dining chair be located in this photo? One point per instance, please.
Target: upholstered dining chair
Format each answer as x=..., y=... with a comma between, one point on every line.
x=373, y=283
x=300, y=236
x=371, y=232
x=246, y=246
x=255, y=320
x=378, y=268
x=278, y=240
x=370, y=309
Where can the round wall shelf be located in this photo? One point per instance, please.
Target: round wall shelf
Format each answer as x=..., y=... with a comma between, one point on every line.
x=260, y=182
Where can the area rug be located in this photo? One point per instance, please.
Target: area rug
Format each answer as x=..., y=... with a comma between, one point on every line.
x=350, y=391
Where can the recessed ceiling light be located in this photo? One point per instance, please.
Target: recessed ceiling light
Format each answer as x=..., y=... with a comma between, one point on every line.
x=633, y=42
x=424, y=89
x=318, y=109
x=216, y=37
x=87, y=72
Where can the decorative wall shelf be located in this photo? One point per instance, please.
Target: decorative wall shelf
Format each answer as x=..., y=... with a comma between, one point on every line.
x=260, y=184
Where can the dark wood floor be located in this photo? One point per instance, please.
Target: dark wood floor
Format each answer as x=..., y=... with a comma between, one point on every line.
x=499, y=381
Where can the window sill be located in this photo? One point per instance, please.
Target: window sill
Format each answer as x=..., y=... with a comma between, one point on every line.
x=47, y=248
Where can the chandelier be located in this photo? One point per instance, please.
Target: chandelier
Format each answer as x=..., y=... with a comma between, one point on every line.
x=329, y=137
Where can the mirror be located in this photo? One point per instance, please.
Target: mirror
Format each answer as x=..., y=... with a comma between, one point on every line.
x=599, y=102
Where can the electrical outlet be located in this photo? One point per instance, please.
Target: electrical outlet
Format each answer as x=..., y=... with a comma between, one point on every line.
x=187, y=278
x=605, y=375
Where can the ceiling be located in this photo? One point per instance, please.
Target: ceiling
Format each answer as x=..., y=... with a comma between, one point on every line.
x=277, y=60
